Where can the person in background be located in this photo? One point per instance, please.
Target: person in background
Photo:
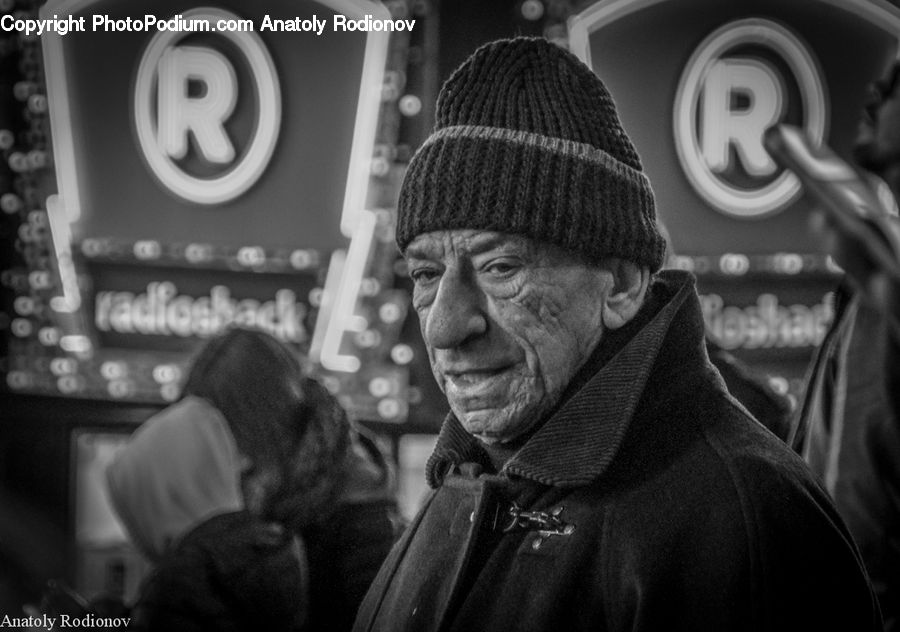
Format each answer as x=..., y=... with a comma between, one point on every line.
x=199, y=494
x=300, y=462
x=847, y=427
x=878, y=150
x=341, y=502
x=217, y=562
x=594, y=473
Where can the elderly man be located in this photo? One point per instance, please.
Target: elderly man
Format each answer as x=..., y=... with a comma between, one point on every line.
x=594, y=474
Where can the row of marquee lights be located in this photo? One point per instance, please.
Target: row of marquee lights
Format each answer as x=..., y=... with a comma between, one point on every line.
x=259, y=259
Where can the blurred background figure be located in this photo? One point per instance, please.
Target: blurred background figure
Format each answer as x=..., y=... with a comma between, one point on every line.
x=197, y=488
x=847, y=428
x=878, y=150
x=217, y=563
x=228, y=489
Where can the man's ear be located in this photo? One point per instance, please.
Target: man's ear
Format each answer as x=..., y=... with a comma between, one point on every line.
x=626, y=296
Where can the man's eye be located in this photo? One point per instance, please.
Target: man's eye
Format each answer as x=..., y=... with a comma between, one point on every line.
x=500, y=268
x=423, y=275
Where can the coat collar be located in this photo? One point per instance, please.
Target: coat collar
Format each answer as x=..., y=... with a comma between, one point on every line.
x=579, y=441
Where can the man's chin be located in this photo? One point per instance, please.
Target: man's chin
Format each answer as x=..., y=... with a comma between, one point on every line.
x=492, y=428
x=483, y=425
x=486, y=438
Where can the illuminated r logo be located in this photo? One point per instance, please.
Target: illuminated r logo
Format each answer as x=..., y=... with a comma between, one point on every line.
x=725, y=125
x=205, y=115
x=190, y=92
x=727, y=97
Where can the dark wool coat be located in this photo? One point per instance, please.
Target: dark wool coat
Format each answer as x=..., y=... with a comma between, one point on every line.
x=657, y=503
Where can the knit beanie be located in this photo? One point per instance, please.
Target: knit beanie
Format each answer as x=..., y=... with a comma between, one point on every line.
x=527, y=141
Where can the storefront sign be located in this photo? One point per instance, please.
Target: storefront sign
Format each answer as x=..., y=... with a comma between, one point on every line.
x=767, y=323
x=737, y=84
x=209, y=124
x=176, y=309
x=168, y=116
x=697, y=82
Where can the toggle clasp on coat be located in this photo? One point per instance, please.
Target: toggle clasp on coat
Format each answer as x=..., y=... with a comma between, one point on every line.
x=546, y=524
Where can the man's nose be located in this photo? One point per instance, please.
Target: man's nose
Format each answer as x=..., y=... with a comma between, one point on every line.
x=457, y=312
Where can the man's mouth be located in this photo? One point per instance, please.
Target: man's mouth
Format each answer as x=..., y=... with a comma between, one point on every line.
x=475, y=382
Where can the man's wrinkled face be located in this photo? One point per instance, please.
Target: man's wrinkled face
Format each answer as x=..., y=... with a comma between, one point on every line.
x=507, y=322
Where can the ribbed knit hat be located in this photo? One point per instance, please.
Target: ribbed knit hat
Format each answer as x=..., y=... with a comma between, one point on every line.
x=527, y=141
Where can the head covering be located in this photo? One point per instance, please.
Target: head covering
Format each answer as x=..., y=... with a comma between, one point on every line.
x=527, y=141
x=180, y=468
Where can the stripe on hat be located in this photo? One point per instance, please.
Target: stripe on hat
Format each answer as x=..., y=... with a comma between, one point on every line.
x=560, y=146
